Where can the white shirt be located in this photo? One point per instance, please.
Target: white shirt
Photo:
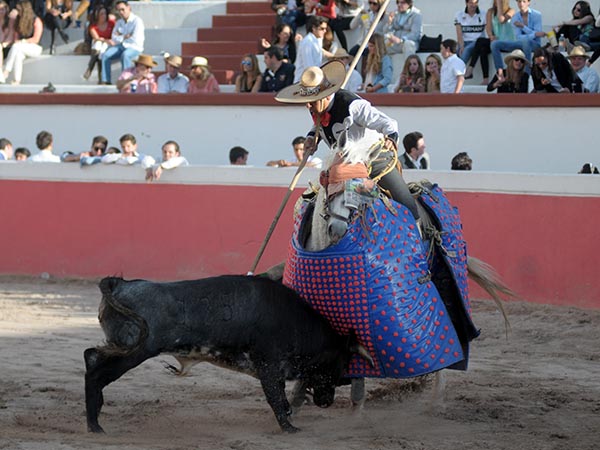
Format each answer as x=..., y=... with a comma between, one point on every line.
x=167, y=84
x=45, y=156
x=135, y=27
x=591, y=80
x=310, y=53
x=473, y=27
x=120, y=158
x=452, y=68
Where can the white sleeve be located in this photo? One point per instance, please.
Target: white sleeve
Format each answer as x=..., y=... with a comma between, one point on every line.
x=111, y=158
x=148, y=161
x=174, y=162
x=366, y=115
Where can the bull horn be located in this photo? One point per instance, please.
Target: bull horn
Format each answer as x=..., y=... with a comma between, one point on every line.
x=365, y=355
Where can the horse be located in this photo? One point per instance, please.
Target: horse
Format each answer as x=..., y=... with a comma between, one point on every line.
x=342, y=217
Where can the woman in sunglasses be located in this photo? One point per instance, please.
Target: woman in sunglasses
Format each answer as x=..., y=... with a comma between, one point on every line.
x=249, y=79
x=433, y=65
x=552, y=72
x=514, y=79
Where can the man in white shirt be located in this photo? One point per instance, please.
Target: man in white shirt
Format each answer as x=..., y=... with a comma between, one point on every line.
x=310, y=50
x=6, y=149
x=171, y=158
x=173, y=80
x=129, y=154
x=127, y=40
x=452, y=75
x=44, y=142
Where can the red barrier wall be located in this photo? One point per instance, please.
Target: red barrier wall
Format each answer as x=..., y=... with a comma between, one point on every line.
x=541, y=245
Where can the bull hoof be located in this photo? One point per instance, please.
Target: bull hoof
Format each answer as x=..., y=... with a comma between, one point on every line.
x=289, y=428
x=95, y=428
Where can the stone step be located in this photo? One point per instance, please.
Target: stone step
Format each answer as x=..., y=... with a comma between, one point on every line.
x=239, y=20
x=234, y=33
x=221, y=48
x=249, y=8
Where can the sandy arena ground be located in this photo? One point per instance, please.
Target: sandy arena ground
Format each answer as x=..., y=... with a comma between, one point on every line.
x=537, y=390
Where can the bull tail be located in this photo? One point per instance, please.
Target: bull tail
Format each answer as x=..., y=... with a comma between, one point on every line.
x=110, y=302
x=487, y=277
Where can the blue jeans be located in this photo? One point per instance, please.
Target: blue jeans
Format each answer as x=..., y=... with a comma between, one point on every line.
x=467, y=51
x=527, y=45
x=126, y=55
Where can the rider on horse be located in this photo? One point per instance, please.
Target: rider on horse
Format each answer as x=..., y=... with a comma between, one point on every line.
x=341, y=115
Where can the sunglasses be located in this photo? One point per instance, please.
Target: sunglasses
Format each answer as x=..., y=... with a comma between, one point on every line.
x=246, y=63
x=374, y=3
x=522, y=61
x=429, y=63
x=100, y=148
x=541, y=64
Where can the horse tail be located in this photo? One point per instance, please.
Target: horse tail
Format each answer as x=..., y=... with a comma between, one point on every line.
x=487, y=277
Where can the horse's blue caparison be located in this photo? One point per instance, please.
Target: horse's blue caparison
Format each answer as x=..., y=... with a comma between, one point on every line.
x=377, y=284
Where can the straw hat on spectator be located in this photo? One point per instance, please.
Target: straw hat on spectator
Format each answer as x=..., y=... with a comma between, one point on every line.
x=315, y=84
x=578, y=50
x=340, y=53
x=516, y=54
x=173, y=60
x=199, y=61
x=145, y=60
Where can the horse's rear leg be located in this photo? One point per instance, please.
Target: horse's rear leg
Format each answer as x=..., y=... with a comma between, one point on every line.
x=102, y=368
x=357, y=393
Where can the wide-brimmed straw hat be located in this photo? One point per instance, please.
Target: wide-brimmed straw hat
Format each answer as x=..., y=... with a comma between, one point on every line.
x=341, y=53
x=199, y=61
x=578, y=50
x=516, y=54
x=146, y=60
x=173, y=60
x=315, y=84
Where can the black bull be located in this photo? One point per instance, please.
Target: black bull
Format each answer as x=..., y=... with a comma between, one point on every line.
x=250, y=324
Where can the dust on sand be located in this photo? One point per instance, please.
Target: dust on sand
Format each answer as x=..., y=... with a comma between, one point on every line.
x=537, y=390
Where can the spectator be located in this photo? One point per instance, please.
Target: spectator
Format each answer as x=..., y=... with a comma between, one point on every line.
x=171, y=158
x=6, y=149
x=90, y=157
x=22, y=154
x=28, y=30
x=173, y=81
x=139, y=79
x=452, y=74
x=44, y=142
x=527, y=23
x=250, y=79
x=498, y=28
x=278, y=73
x=329, y=45
x=577, y=30
x=588, y=76
x=238, y=156
x=289, y=12
x=433, y=65
x=414, y=156
x=412, y=77
x=514, y=79
x=470, y=26
x=100, y=30
x=365, y=20
x=404, y=29
x=589, y=168
x=378, y=69
x=127, y=40
x=355, y=81
x=285, y=39
x=5, y=36
x=201, y=78
x=552, y=73
x=57, y=18
x=128, y=155
x=461, y=161
x=347, y=10
x=310, y=50
x=321, y=8
x=298, y=146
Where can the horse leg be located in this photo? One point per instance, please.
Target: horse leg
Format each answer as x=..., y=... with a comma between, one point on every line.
x=357, y=393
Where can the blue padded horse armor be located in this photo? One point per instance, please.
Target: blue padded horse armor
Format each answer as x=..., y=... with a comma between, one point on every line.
x=376, y=282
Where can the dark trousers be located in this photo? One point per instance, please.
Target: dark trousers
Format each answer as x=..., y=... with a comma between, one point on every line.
x=338, y=25
x=482, y=49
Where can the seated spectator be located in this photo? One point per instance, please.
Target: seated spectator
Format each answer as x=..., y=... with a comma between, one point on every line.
x=250, y=79
x=28, y=30
x=100, y=29
x=433, y=65
x=44, y=142
x=90, y=157
x=365, y=19
x=310, y=49
x=347, y=10
x=278, y=73
x=577, y=30
x=5, y=36
x=588, y=76
x=139, y=79
x=6, y=149
x=461, y=161
x=57, y=18
x=452, y=74
x=378, y=69
x=470, y=26
x=403, y=30
x=173, y=81
x=329, y=45
x=414, y=156
x=589, y=168
x=126, y=42
x=128, y=155
x=171, y=158
x=552, y=73
x=238, y=156
x=412, y=77
x=499, y=28
x=201, y=78
x=514, y=78
x=22, y=154
x=289, y=12
x=355, y=81
x=285, y=39
x=298, y=146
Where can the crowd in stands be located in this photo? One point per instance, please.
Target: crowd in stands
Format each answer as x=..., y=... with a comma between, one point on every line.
x=556, y=61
